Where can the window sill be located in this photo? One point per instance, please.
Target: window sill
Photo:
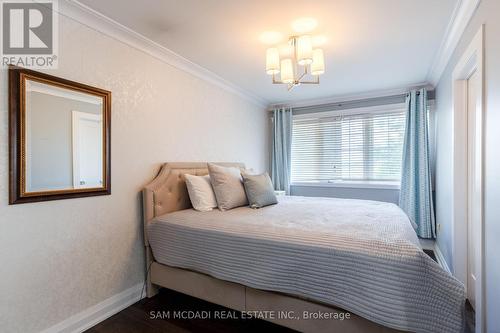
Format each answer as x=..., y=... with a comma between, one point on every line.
x=352, y=184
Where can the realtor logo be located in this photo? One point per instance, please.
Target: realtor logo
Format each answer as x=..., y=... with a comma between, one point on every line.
x=29, y=33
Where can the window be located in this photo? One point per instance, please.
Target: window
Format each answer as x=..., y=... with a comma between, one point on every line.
x=330, y=147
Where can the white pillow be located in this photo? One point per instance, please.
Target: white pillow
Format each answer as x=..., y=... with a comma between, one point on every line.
x=200, y=192
x=228, y=186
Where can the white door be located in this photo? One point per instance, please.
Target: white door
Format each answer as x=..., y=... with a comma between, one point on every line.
x=87, y=150
x=474, y=186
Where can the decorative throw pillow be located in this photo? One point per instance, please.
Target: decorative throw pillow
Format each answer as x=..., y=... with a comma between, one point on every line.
x=259, y=190
x=201, y=193
x=228, y=186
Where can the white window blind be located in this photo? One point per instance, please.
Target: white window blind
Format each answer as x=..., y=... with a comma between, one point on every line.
x=348, y=147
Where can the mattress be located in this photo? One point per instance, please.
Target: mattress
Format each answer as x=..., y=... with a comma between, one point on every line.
x=362, y=256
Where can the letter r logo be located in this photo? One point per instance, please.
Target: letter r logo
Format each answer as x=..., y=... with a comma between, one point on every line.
x=27, y=28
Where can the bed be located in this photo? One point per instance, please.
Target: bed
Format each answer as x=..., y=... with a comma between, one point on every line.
x=319, y=255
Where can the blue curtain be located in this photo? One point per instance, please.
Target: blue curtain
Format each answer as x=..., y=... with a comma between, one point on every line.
x=415, y=197
x=281, y=149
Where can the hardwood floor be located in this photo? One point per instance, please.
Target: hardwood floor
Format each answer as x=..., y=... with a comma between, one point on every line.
x=150, y=316
x=431, y=254
x=156, y=315
x=470, y=318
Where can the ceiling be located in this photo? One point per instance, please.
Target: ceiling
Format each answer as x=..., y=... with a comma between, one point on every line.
x=371, y=45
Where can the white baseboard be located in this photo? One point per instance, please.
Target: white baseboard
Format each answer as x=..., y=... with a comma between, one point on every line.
x=427, y=244
x=440, y=258
x=99, y=312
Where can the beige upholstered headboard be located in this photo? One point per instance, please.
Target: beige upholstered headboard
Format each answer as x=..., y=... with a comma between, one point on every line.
x=167, y=192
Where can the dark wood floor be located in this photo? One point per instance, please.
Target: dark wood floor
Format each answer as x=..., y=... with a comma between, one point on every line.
x=156, y=315
x=470, y=318
x=431, y=254
x=150, y=316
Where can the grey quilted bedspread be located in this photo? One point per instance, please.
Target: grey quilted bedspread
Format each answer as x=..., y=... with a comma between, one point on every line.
x=362, y=256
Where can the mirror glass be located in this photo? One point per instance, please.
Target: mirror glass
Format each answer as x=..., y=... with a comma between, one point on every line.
x=63, y=138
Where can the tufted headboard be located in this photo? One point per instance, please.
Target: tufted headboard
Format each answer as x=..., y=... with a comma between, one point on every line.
x=167, y=192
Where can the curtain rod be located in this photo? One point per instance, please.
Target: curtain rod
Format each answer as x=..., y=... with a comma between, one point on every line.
x=351, y=104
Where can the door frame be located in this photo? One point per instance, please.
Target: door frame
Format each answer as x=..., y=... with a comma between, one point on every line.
x=472, y=60
x=76, y=117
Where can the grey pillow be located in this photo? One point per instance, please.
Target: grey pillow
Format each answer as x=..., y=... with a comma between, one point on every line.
x=260, y=190
x=228, y=186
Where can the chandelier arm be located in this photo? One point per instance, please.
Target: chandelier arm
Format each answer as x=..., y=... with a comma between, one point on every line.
x=301, y=77
x=311, y=82
x=276, y=81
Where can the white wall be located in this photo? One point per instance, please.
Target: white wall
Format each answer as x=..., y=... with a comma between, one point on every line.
x=377, y=194
x=487, y=13
x=58, y=258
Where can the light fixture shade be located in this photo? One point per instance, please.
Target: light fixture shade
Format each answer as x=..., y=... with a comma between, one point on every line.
x=272, y=61
x=304, y=50
x=318, y=63
x=287, y=71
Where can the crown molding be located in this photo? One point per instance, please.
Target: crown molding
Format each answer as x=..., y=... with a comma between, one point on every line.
x=91, y=18
x=461, y=17
x=350, y=97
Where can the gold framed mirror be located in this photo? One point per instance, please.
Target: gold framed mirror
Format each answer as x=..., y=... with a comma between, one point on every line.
x=59, y=138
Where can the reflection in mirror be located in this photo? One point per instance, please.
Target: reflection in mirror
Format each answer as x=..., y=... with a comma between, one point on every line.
x=63, y=137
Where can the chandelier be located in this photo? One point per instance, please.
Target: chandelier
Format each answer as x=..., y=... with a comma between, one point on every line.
x=302, y=64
